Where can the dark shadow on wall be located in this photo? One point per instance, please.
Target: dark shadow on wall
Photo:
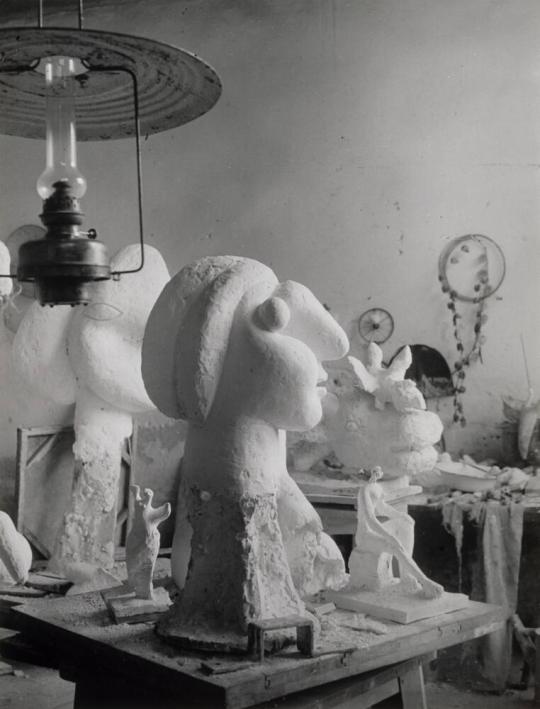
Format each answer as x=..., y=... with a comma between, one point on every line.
x=430, y=371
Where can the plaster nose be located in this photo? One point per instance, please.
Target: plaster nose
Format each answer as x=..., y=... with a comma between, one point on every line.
x=311, y=323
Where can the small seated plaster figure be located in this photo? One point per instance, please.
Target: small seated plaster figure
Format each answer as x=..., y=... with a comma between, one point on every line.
x=15, y=553
x=378, y=542
x=142, y=543
x=385, y=536
x=238, y=355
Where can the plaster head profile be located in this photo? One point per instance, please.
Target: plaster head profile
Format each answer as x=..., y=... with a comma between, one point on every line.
x=231, y=314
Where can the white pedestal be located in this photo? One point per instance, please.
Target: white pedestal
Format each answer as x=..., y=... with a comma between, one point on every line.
x=393, y=603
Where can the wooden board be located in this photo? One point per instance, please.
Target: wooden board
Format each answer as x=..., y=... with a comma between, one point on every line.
x=44, y=479
x=81, y=626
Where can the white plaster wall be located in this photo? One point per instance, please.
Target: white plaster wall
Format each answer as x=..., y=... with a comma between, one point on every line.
x=353, y=139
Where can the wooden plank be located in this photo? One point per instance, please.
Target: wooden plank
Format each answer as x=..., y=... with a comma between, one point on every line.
x=411, y=685
x=42, y=449
x=360, y=691
x=5, y=669
x=537, y=667
x=46, y=430
x=337, y=521
x=35, y=542
x=22, y=452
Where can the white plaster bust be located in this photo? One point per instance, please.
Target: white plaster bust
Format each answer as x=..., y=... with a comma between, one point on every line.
x=238, y=355
x=90, y=356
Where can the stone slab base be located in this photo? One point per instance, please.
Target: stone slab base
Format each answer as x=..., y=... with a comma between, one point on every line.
x=126, y=608
x=398, y=607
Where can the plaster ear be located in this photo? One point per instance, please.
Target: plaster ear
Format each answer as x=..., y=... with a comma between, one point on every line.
x=273, y=314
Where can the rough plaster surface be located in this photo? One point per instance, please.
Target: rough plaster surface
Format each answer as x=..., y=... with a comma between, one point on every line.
x=90, y=356
x=142, y=543
x=15, y=552
x=372, y=417
x=238, y=355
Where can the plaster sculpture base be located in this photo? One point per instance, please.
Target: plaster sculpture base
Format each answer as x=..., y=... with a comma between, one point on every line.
x=128, y=608
x=393, y=603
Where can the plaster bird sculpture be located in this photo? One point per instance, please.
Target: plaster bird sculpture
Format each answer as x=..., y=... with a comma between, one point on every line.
x=372, y=416
x=388, y=384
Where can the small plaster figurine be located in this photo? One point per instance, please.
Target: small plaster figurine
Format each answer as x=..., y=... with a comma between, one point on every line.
x=142, y=544
x=385, y=535
x=378, y=542
x=238, y=355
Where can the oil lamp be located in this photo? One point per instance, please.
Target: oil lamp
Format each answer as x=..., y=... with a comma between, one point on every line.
x=66, y=85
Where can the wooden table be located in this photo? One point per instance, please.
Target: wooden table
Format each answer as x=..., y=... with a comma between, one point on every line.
x=124, y=666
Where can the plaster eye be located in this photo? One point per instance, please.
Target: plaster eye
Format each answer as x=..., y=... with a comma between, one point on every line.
x=273, y=314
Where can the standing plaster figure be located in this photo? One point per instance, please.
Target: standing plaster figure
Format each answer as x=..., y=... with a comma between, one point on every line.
x=378, y=542
x=90, y=356
x=142, y=543
x=238, y=355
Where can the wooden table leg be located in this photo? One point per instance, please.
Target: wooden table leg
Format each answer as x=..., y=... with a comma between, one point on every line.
x=413, y=692
x=537, y=667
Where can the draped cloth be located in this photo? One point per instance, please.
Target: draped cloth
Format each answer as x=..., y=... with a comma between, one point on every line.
x=495, y=574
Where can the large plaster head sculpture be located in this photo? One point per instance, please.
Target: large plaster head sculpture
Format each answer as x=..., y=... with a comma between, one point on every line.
x=238, y=355
x=91, y=356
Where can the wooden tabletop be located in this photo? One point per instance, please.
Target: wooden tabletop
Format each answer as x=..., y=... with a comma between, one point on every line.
x=80, y=627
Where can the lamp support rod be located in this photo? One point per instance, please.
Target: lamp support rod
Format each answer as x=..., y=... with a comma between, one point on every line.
x=80, y=13
x=136, y=119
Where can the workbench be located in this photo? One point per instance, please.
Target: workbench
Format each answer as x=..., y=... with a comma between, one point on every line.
x=121, y=666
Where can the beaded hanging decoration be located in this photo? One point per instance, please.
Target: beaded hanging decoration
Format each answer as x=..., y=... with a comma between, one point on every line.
x=479, y=288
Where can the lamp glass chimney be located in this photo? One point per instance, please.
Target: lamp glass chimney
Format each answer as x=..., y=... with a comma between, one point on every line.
x=61, y=138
